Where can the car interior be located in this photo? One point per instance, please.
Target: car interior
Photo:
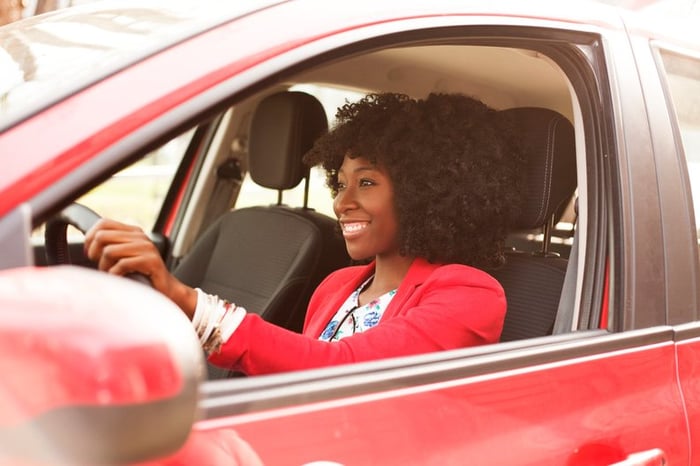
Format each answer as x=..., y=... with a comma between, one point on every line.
x=242, y=216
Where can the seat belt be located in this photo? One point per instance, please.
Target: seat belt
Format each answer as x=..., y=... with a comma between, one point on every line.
x=228, y=182
x=564, y=321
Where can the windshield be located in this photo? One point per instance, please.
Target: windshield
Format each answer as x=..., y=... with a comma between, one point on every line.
x=48, y=57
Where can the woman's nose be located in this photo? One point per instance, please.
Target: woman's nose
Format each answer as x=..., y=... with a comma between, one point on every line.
x=345, y=200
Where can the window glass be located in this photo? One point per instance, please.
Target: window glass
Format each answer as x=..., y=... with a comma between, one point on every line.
x=252, y=194
x=683, y=76
x=135, y=195
x=320, y=199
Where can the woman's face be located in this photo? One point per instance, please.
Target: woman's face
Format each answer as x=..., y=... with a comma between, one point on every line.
x=364, y=206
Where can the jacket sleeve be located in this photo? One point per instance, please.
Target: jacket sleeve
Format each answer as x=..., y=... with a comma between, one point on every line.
x=447, y=311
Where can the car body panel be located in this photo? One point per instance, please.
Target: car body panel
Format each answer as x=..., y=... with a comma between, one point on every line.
x=688, y=348
x=575, y=411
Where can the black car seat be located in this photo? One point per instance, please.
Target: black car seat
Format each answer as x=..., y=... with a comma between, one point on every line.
x=533, y=281
x=270, y=258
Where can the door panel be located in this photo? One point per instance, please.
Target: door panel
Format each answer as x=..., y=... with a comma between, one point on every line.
x=596, y=409
x=689, y=375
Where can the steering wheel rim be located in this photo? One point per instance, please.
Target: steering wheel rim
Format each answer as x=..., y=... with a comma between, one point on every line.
x=56, y=239
x=55, y=235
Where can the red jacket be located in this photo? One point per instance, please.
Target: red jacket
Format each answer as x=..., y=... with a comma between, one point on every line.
x=437, y=307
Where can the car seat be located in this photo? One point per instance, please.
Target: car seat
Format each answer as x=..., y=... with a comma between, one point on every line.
x=270, y=258
x=533, y=281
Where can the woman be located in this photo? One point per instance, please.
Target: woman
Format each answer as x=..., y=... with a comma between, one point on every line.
x=423, y=191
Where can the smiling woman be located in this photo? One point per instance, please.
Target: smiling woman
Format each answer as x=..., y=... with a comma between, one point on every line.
x=384, y=187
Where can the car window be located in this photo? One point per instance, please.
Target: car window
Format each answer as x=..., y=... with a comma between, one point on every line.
x=252, y=194
x=683, y=77
x=135, y=194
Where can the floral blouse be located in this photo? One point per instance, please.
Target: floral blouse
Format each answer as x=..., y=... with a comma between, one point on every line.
x=352, y=318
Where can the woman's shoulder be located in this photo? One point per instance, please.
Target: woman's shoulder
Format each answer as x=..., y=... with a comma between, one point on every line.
x=423, y=272
x=460, y=274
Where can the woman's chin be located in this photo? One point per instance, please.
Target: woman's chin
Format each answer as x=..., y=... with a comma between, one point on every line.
x=356, y=256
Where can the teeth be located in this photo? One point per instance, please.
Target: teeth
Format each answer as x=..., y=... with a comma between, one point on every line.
x=352, y=227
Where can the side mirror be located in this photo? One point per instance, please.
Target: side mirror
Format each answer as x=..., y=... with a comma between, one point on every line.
x=95, y=369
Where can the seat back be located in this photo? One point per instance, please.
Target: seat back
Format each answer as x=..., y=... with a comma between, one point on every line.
x=533, y=281
x=269, y=259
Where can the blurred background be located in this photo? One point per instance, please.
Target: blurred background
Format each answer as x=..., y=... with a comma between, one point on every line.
x=12, y=10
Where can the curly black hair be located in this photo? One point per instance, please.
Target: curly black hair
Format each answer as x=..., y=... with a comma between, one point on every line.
x=454, y=163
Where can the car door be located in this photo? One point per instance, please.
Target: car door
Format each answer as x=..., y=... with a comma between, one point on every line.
x=674, y=83
x=603, y=393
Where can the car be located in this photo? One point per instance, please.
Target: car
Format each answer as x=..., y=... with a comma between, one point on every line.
x=161, y=113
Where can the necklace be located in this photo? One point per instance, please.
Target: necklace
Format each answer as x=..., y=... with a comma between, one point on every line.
x=342, y=321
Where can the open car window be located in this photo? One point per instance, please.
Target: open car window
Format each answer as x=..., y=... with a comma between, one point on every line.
x=135, y=194
x=541, y=83
x=514, y=72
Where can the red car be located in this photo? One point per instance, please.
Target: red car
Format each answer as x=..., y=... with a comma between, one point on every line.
x=161, y=113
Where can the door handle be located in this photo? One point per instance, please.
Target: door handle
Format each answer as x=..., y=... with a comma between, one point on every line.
x=653, y=457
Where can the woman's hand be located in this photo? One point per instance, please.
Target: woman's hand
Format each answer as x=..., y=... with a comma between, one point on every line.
x=121, y=249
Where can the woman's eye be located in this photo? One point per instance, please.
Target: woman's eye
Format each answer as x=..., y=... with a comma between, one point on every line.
x=366, y=182
x=339, y=186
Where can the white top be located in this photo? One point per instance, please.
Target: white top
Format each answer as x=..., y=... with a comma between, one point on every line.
x=352, y=318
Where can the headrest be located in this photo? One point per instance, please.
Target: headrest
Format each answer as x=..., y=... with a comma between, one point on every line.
x=284, y=127
x=550, y=151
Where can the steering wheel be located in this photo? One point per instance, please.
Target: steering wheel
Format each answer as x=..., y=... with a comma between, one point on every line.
x=55, y=235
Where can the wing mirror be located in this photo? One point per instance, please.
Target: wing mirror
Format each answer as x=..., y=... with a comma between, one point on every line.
x=96, y=369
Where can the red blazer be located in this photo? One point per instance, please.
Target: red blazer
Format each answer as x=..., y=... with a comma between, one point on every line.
x=437, y=307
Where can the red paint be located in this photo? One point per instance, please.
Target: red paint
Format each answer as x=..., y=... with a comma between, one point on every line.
x=592, y=411
x=73, y=365
x=689, y=375
x=58, y=351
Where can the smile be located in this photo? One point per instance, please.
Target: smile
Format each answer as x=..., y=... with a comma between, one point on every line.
x=353, y=227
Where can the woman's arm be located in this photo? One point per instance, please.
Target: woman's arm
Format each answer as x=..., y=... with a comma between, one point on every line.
x=446, y=312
